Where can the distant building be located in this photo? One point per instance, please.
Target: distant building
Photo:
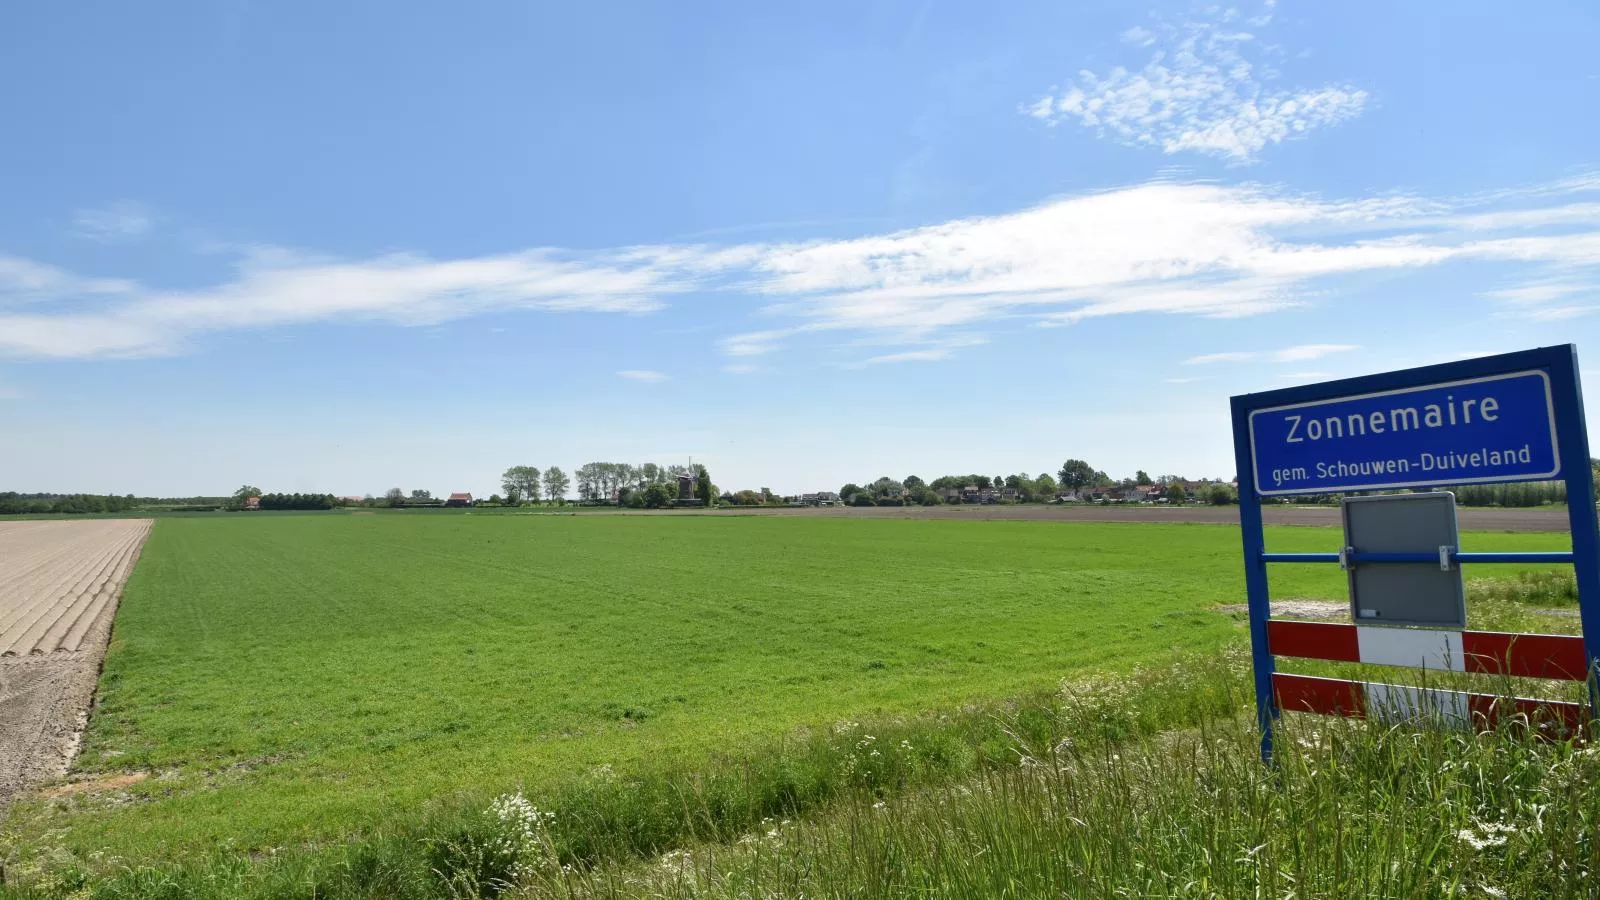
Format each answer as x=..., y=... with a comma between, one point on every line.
x=459, y=500
x=252, y=503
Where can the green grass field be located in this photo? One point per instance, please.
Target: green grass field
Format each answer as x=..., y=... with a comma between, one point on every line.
x=295, y=679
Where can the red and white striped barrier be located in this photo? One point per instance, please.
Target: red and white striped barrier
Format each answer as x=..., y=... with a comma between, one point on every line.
x=1485, y=652
x=1488, y=652
x=1393, y=702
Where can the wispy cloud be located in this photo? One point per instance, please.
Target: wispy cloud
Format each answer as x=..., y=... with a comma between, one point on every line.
x=281, y=289
x=118, y=222
x=1209, y=358
x=647, y=376
x=1570, y=289
x=1298, y=353
x=1205, y=89
x=23, y=280
x=920, y=294
x=1304, y=352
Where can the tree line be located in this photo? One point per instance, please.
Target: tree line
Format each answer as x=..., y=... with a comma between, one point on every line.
x=13, y=503
x=1075, y=479
x=600, y=483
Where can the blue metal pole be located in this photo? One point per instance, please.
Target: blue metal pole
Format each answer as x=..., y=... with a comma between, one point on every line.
x=1529, y=558
x=1572, y=438
x=1255, y=575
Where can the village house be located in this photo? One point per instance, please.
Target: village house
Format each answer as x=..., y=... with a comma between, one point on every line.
x=458, y=500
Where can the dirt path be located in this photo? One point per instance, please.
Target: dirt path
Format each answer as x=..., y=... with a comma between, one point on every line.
x=59, y=584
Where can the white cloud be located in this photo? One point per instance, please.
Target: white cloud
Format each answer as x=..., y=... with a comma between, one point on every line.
x=1554, y=299
x=1139, y=36
x=1298, y=353
x=121, y=221
x=645, y=375
x=1200, y=91
x=1162, y=248
x=1230, y=356
x=279, y=289
x=929, y=354
x=23, y=280
x=1541, y=292
x=1304, y=352
x=1159, y=248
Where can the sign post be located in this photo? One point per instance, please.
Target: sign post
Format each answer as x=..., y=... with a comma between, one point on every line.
x=1513, y=417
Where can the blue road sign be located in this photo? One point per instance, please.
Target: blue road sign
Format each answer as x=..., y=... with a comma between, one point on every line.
x=1534, y=421
x=1491, y=429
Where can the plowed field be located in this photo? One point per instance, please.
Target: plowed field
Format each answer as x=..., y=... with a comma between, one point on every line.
x=59, y=582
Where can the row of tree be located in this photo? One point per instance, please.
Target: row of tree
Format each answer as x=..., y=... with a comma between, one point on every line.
x=13, y=503
x=299, y=501
x=1075, y=477
x=624, y=484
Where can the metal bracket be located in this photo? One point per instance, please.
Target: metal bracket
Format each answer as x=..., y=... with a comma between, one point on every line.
x=1344, y=558
x=1444, y=557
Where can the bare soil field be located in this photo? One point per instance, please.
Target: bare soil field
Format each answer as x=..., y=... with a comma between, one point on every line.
x=1471, y=518
x=59, y=583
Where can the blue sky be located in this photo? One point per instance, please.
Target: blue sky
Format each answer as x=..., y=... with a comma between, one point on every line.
x=343, y=249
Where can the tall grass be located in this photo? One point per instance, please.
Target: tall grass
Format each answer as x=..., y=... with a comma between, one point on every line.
x=1351, y=809
x=1553, y=588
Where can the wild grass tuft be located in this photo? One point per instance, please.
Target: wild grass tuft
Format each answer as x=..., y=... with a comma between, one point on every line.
x=1351, y=809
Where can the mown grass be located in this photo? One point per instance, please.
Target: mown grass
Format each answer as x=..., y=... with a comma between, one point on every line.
x=333, y=702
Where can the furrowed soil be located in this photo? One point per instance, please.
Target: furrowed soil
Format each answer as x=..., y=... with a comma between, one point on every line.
x=59, y=584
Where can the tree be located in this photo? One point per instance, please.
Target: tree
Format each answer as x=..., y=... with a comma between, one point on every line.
x=649, y=474
x=1220, y=494
x=702, y=485
x=244, y=492
x=513, y=496
x=395, y=497
x=1175, y=493
x=556, y=483
x=912, y=482
x=862, y=498
x=849, y=491
x=422, y=495
x=1141, y=477
x=1044, y=485
x=659, y=496
x=1075, y=474
x=523, y=480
